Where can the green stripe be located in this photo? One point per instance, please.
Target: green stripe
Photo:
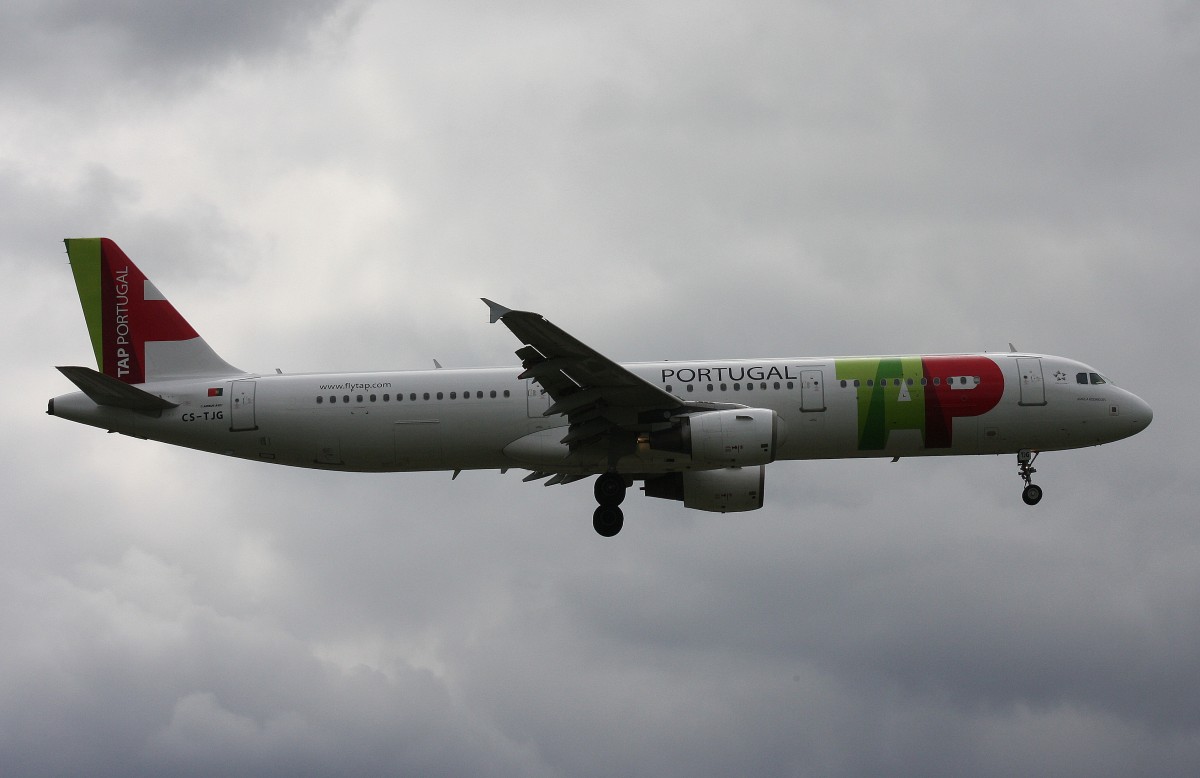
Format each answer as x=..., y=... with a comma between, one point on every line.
x=84, y=254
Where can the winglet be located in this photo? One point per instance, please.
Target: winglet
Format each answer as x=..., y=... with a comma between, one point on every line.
x=496, y=310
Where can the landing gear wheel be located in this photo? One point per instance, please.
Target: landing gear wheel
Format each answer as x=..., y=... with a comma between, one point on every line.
x=610, y=489
x=1032, y=494
x=608, y=520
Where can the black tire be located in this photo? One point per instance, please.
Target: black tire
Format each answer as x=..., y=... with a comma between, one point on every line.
x=608, y=520
x=610, y=490
x=1032, y=494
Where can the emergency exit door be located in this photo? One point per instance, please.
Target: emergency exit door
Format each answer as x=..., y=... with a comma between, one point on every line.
x=812, y=391
x=537, y=399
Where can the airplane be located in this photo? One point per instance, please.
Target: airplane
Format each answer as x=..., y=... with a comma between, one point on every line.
x=701, y=432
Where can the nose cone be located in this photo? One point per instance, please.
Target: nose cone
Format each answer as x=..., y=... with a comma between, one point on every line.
x=1140, y=414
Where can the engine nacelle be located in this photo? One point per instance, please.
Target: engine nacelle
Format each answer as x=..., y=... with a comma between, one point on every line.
x=732, y=438
x=724, y=491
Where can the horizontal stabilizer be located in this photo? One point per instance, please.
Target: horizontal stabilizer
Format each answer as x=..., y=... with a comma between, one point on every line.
x=113, y=392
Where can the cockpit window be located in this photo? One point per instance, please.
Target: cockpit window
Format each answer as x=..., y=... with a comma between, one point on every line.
x=1081, y=378
x=1098, y=379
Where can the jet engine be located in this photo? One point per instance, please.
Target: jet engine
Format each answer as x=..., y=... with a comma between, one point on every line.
x=730, y=438
x=727, y=490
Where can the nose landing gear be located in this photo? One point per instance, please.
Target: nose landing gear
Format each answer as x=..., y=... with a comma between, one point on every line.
x=610, y=493
x=1032, y=494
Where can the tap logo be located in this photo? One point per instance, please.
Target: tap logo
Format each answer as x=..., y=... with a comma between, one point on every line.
x=919, y=393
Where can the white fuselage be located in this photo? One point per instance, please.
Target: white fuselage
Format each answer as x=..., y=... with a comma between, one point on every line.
x=487, y=418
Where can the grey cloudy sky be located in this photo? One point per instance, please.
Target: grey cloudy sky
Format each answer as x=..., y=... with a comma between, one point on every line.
x=333, y=185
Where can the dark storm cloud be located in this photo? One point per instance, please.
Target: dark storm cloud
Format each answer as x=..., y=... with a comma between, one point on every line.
x=72, y=48
x=170, y=685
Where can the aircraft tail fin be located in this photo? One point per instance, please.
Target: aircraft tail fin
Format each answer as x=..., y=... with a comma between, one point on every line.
x=137, y=334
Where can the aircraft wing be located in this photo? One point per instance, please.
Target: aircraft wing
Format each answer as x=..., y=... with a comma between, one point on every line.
x=605, y=403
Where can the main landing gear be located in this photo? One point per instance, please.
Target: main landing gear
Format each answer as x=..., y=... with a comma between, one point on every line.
x=1032, y=494
x=610, y=493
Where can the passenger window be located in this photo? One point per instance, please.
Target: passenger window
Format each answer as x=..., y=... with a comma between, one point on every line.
x=426, y=395
x=345, y=398
x=710, y=387
x=691, y=388
x=387, y=397
x=332, y=398
x=737, y=387
x=668, y=388
x=479, y=395
x=372, y=398
x=791, y=385
x=453, y=395
x=440, y=396
x=776, y=386
x=320, y=400
x=360, y=399
x=724, y=387
x=506, y=393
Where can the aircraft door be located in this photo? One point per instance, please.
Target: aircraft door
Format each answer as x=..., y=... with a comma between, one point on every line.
x=812, y=391
x=537, y=398
x=1033, y=387
x=241, y=406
